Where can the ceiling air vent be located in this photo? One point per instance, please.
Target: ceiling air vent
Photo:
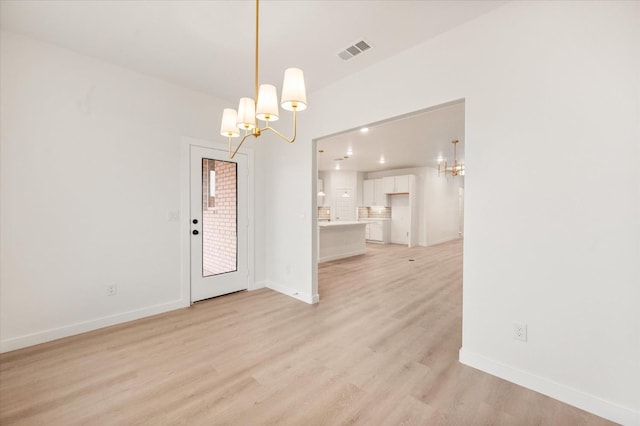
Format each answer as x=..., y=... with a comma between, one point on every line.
x=354, y=50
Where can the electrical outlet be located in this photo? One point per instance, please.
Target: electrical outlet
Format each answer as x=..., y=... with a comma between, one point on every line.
x=112, y=289
x=520, y=331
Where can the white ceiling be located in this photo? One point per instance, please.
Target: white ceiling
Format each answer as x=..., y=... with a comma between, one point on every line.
x=414, y=141
x=208, y=45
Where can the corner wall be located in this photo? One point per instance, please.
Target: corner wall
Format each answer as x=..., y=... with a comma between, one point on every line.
x=552, y=214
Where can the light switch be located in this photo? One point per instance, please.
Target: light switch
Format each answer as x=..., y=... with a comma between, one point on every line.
x=173, y=216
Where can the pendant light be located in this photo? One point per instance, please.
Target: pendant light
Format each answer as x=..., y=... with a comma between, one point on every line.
x=264, y=106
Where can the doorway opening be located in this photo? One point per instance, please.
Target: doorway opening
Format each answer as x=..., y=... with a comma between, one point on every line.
x=396, y=172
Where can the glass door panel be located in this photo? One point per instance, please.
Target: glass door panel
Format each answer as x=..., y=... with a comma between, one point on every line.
x=219, y=217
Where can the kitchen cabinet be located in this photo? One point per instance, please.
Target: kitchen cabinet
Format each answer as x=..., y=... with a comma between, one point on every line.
x=373, y=193
x=396, y=184
x=377, y=231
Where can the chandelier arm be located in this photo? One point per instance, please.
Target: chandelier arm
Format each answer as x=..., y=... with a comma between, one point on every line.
x=244, y=138
x=290, y=140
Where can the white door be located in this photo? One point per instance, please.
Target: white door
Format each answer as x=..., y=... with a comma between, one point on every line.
x=219, y=219
x=345, y=204
x=400, y=219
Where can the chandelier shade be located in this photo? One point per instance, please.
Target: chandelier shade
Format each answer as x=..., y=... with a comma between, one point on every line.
x=246, y=114
x=294, y=95
x=267, y=109
x=228, y=126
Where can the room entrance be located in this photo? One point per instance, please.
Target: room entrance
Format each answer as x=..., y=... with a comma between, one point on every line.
x=218, y=205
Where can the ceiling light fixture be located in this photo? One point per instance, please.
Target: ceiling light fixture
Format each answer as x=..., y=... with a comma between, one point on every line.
x=381, y=161
x=264, y=106
x=456, y=169
x=364, y=130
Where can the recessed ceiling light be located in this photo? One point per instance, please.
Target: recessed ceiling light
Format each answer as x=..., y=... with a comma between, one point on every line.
x=381, y=161
x=364, y=129
x=337, y=166
x=350, y=151
x=321, y=151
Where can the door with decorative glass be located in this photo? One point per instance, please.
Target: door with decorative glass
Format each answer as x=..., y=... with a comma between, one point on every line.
x=219, y=222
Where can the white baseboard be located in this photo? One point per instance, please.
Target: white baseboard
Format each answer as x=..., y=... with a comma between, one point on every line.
x=296, y=294
x=441, y=240
x=342, y=255
x=571, y=396
x=257, y=285
x=19, y=342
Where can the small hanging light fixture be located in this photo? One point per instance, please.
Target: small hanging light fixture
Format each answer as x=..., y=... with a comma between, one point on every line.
x=265, y=105
x=457, y=168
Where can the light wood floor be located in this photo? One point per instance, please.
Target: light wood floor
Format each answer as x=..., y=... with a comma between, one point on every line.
x=381, y=347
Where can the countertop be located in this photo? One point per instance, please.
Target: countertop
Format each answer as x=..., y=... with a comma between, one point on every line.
x=338, y=223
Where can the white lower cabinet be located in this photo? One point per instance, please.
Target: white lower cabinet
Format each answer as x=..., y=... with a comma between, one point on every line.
x=378, y=231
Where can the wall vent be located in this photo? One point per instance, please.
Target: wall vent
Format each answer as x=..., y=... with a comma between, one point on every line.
x=354, y=50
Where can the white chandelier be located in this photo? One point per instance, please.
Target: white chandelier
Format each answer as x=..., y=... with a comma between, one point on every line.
x=294, y=98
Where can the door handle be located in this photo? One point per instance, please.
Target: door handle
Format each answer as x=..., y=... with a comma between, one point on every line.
x=195, y=232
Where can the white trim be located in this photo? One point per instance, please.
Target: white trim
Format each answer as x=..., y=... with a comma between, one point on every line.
x=440, y=241
x=564, y=393
x=94, y=324
x=185, y=211
x=296, y=294
x=342, y=255
x=257, y=285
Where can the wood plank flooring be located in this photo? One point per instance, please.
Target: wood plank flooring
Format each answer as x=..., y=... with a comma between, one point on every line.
x=380, y=348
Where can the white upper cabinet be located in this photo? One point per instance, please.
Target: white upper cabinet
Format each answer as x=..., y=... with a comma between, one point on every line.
x=373, y=193
x=396, y=184
x=379, y=197
x=402, y=184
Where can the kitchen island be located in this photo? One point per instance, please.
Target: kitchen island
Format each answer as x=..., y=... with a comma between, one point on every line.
x=338, y=240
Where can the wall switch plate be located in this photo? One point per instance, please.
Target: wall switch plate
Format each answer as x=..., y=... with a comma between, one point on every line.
x=520, y=331
x=112, y=289
x=173, y=216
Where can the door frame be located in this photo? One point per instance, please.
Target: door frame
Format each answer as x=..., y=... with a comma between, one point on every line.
x=185, y=214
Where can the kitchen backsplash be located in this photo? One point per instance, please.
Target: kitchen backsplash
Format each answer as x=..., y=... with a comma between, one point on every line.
x=374, y=212
x=324, y=213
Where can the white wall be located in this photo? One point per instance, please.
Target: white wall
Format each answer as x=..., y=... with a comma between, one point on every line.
x=552, y=221
x=90, y=171
x=441, y=206
x=437, y=203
